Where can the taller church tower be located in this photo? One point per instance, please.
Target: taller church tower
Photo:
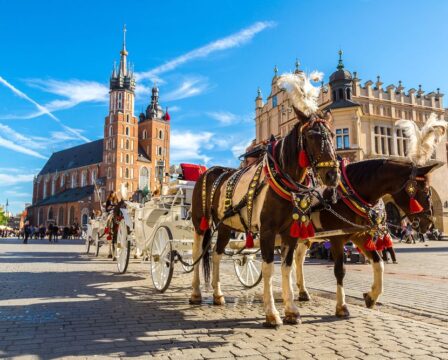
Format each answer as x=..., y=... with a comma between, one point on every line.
x=120, y=149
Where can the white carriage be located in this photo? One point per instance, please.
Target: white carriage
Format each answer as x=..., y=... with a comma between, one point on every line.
x=95, y=234
x=162, y=232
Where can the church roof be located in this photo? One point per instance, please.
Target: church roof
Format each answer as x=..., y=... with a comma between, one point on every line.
x=69, y=195
x=74, y=157
x=142, y=155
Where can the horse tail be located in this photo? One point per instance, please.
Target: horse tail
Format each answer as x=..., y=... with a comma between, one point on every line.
x=206, y=242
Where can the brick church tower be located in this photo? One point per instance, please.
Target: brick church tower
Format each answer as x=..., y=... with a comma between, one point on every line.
x=120, y=149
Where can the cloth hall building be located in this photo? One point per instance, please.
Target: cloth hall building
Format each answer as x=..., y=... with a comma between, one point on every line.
x=134, y=152
x=364, y=116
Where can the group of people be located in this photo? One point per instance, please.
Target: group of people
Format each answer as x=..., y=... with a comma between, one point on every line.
x=53, y=232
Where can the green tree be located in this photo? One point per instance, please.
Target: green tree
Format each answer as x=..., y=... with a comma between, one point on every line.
x=3, y=219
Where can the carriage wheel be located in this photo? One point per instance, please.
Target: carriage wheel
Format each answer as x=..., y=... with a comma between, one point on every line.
x=97, y=245
x=123, y=247
x=88, y=242
x=188, y=258
x=162, y=263
x=248, y=270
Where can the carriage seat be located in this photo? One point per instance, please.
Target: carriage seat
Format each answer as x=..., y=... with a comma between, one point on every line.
x=191, y=172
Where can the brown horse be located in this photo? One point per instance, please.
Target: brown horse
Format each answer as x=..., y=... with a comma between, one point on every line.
x=254, y=206
x=370, y=180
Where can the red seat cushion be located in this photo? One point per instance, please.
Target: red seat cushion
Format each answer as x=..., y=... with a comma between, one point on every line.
x=191, y=172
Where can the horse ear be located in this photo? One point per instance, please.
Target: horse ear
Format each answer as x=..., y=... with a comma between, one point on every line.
x=328, y=117
x=300, y=115
x=427, y=169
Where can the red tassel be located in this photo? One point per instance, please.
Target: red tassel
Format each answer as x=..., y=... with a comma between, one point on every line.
x=304, y=162
x=310, y=229
x=249, y=240
x=303, y=231
x=369, y=245
x=414, y=206
x=204, y=224
x=106, y=230
x=387, y=240
x=109, y=237
x=294, y=231
x=379, y=244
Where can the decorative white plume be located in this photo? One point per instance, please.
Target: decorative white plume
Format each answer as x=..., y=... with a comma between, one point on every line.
x=124, y=191
x=422, y=142
x=302, y=93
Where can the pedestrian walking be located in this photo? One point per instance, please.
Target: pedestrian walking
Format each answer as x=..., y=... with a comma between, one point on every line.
x=26, y=232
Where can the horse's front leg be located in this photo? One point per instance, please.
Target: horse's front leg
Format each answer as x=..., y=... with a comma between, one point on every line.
x=221, y=243
x=196, y=297
x=300, y=277
x=337, y=251
x=373, y=295
x=292, y=315
x=267, y=242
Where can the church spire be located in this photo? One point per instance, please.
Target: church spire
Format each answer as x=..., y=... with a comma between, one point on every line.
x=123, y=70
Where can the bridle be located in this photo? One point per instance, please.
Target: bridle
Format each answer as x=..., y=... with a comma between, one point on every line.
x=326, y=136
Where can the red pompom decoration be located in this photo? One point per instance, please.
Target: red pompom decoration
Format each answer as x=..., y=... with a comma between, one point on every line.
x=294, y=230
x=310, y=229
x=387, y=241
x=109, y=237
x=304, y=162
x=106, y=230
x=303, y=231
x=414, y=206
x=369, y=245
x=249, y=240
x=204, y=224
x=379, y=244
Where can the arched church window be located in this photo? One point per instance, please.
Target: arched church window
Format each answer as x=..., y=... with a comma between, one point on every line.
x=84, y=178
x=349, y=95
x=127, y=158
x=109, y=172
x=341, y=94
x=126, y=173
x=160, y=134
x=111, y=131
x=93, y=177
x=127, y=144
x=127, y=131
x=127, y=117
x=144, y=134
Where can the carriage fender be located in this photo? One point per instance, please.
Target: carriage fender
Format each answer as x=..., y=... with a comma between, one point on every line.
x=127, y=219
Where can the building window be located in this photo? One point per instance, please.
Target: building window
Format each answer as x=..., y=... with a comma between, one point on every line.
x=342, y=139
x=274, y=101
x=53, y=186
x=111, y=131
x=126, y=173
x=402, y=142
x=349, y=94
x=341, y=94
x=62, y=180
x=127, y=117
x=127, y=144
x=127, y=158
x=144, y=134
x=84, y=178
x=383, y=140
x=93, y=177
x=160, y=134
x=127, y=131
x=109, y=172
x=111, y=118
x=61, y=216
x=73, y=180
x=159, y=150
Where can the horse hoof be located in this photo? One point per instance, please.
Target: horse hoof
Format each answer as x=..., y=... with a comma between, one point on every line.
x=370, y=303
x=195, y=300
x=342, y=311
x=272, y=322
x=219, y=300
x=291, y=319
x=304, y=296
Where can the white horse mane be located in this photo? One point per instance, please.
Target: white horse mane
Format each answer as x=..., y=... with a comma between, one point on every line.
x=422, y=142
x=302, y=93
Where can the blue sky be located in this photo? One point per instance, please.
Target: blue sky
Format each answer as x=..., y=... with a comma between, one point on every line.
x=208, y=59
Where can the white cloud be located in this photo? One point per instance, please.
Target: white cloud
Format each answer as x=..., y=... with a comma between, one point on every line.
x=239, y=149
x=188, y=88
x=8, y=179
x=224, y=117
x=42, y=109
x=234, y=40
x=17, y=193
x=187, y=146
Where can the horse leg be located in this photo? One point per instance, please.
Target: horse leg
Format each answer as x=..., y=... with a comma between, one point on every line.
x=196, y=297
x=221, y=243
x=337, y=250
x=267, y=242
x=292, y=315
x=300, y=278
x=372, y=296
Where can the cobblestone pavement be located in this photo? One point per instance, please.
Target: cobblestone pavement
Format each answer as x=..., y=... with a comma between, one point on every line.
x=57, y=302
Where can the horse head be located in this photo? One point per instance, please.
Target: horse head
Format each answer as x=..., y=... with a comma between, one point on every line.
x=417, y=190
x=314, y=137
